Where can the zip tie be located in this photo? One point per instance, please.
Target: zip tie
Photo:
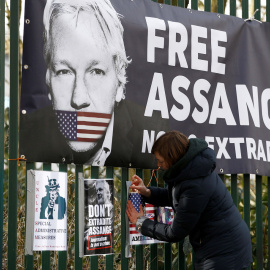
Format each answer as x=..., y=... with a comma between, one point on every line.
x=253, y=17
x=18, y=159
x=153, y=174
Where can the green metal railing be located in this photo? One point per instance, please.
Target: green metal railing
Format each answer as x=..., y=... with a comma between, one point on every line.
x=261, y=236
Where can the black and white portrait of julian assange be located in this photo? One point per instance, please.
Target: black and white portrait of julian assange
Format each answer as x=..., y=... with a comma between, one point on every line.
x=89, y=120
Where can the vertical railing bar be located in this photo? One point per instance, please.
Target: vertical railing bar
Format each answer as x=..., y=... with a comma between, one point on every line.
x=153, y=247
x=233, y=7
x=168, y=256
x=109, y=258
x=181, y=3
x=245, y=12
x=167, y=2
x=13, y=134
x=139, y=248
x=62, y=255
x=181, y=257
x=267, y=11
x=234, y=192
x=28, y=261
x=194, y=4
x=2, y=118
x=94, y=259
x=259, y=219
x=220, y=6
x=168, y=252
x=247, y=201
x=268, y=219
x=257, y=5
x=207, y=5
x=78, y=260
x=45, y=255
x=124, y=178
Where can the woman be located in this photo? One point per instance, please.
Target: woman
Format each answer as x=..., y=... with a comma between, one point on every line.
x=203, y=207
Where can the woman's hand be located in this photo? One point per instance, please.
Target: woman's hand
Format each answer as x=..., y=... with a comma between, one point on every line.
x=132, y=213
x=138, y=185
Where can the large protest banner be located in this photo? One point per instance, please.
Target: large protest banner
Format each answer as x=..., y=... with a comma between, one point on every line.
x=203, y=74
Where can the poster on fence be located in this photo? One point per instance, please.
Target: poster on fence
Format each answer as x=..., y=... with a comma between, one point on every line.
x=47, y=210
x=98, y=216
x=150, y=211
x=165, y=214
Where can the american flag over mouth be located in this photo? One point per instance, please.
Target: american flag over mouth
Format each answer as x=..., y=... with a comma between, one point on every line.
x=82, y=126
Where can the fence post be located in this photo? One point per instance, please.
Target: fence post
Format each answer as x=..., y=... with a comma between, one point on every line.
x=259, y=220
x=13, y=134
x=153, y=247
x=109, y=258
x=245, y=9
x=124, y=178
x=62, y=255
x=94, y=259
x=268, y=219
x=46, y=255
x=2, y=117
x=78, y=260
x=247, y=200
x=234, y=189
x=28, y=260
x=139, y=248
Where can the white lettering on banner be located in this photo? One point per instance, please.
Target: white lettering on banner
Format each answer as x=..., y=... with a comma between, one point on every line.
x=148, y=141
x=247, y=104
x=220, y=109
x=198, y=48
x=222, y=148
x=216, y=36
x=181, y=98
x=199, y=86
x=177, y=48
x=237, y=146
x=256, y=150
x=223, y=112
x=157, y=89
x=154, y=41
x=265, y=107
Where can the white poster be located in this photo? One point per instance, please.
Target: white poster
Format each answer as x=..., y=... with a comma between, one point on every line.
x=50, y=221
x=135, y=237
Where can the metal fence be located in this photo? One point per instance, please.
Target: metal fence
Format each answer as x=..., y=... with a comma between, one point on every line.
x=249, y=192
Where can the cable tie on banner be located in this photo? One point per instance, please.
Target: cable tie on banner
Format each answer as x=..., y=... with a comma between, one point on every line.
x=153, y=174
x=22, y=158
x=253, y=17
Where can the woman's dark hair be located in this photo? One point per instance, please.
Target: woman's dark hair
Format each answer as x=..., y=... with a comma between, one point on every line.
x=171, y=146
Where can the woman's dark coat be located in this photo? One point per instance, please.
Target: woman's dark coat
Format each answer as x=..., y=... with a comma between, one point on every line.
x=204, y=210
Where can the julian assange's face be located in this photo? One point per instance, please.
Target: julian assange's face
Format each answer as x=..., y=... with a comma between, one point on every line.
x=161, y=161
x=100, y=192
x=81, y=75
